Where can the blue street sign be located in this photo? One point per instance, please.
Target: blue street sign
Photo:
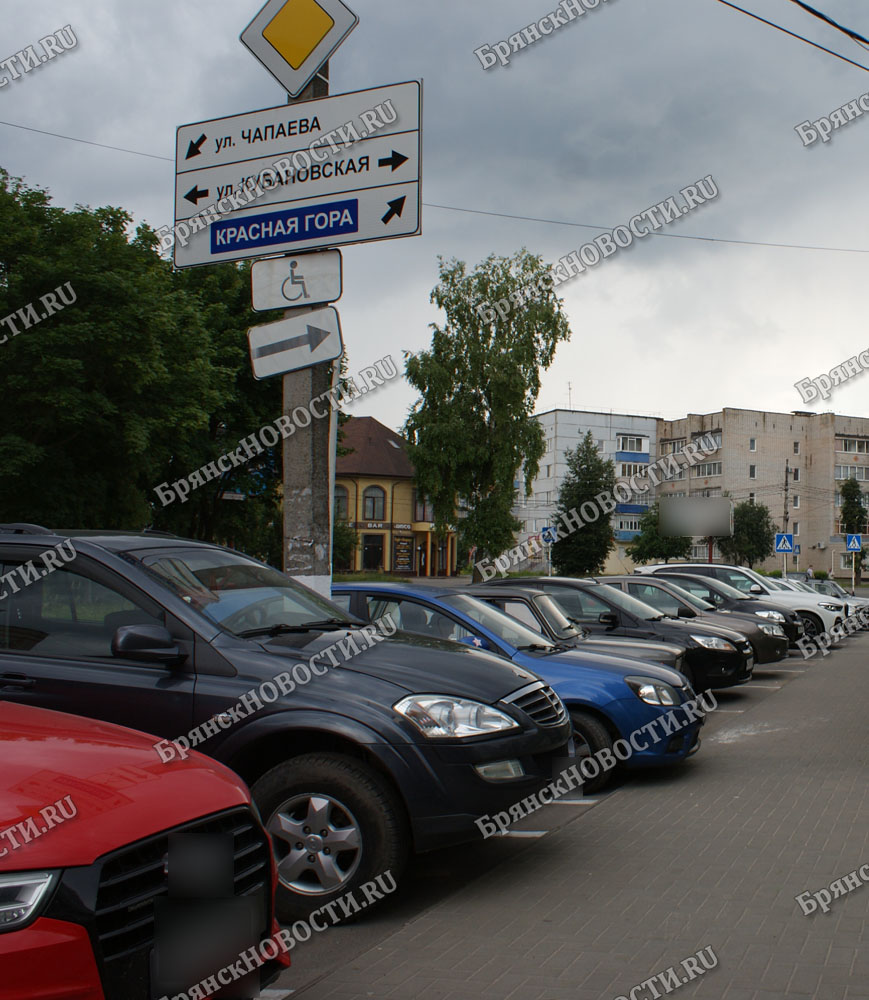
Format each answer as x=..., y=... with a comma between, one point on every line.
x=855, y=543
x=784, y=543
x=796, y=550
x=548, y=535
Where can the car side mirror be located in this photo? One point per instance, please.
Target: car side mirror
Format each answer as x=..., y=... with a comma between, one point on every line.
x=608, y=618
x=475, y=641
x=147, y=644
x=684, y=612
x=755, y=588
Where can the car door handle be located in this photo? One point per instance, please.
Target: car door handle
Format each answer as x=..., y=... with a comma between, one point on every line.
x=16, y=681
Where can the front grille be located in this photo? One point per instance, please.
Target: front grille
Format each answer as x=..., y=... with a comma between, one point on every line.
x=540, y=703
x=131, y=879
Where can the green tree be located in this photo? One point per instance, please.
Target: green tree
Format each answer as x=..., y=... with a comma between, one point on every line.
x=584, y=552
x=753, y=538
x=142, y=379
x=344, y=542
x=853, y=518
x=651, y=546
x=472, y=429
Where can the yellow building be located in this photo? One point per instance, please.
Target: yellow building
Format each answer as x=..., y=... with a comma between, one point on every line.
x=375, y=494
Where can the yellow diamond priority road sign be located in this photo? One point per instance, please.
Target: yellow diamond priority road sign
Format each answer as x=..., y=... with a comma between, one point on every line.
x=293, y=38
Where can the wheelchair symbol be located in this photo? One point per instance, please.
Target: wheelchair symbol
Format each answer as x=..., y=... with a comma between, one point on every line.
x=296, y=283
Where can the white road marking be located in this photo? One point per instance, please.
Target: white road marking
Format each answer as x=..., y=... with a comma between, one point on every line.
x=525, y=833
x=768, y=687
x=575, y=802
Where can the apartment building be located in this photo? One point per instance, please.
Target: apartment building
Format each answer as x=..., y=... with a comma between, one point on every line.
x=755, y=449
x=628, y=439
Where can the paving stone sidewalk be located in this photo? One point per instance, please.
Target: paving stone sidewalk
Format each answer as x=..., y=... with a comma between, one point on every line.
x=710, y=854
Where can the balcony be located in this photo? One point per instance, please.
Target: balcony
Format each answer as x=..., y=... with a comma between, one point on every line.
x=632, y=456
x=624, y=536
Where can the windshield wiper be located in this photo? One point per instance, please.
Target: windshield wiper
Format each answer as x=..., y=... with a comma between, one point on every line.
x=535, y=646
x=328, y=625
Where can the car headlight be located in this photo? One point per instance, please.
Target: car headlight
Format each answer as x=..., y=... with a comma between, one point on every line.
x=21, y=897
x=829, y=607
x=713, y=642
x=653, y=692
x=774, y=616
x=773, y=630
x=438, y=715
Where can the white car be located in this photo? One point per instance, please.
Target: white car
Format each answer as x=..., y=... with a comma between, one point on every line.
x=819, y=612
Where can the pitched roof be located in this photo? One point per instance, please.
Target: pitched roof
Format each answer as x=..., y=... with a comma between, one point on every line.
x=377, y=451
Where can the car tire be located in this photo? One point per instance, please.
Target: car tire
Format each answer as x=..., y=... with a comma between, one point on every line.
x=352, y=807
x=812, y=624
x=590, y=736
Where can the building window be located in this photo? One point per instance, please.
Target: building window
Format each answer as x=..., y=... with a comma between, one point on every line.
x=796, y=528
x=342, y=503
x=796, y=447
x=374, y=503
x=626, y=443
x=672, y=447
x=628, y=524
x=858, y=447
x=632, y=469
x=707, y=469
x=858, y=472
x=796, y=475
x=422, y=509
x=752, y=472
x=796, y=502
x=713, y=436
x=712, y=491
x=752, y=444
x=548, y=471
x=751, y=498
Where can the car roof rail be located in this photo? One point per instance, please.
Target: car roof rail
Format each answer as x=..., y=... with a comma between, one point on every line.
x=162, y=534
x=20, y=528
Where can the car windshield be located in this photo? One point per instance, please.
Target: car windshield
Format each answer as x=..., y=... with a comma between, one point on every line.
x=239, y=593
x=692, y=600
x=507, y=629
x=830, y=588
x=702, y=584
x=802, y=586
x=625, y=602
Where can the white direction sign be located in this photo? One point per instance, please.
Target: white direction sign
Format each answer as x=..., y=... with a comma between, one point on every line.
x=293, y=38
x=306, y=338
x=302, y=280
x=334, y=171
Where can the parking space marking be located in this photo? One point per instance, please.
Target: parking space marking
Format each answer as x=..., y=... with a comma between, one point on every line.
x=575, y=802
x=276, y=994
x=525, y=833
x=768, y=687
x=729, y=711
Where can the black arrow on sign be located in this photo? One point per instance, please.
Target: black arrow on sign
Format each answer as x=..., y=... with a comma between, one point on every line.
x=195, y=148
x=396, y=207
x=313, y=338
x=393, y=161
x=194, y=194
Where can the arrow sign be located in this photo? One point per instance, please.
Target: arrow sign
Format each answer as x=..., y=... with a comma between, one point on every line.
x=194, y=194
x=393, y=161
x=784, y=542
x=855, y=543
x=305, y=338
x=195, y=148
x=313, y=337
x=396, y=207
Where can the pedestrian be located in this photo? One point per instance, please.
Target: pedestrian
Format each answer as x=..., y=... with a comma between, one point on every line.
x=810, y=573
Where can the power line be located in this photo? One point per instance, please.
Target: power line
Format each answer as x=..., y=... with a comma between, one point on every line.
x=87, y=142
x=839, y=27
x=793, y=34
x=499, y=215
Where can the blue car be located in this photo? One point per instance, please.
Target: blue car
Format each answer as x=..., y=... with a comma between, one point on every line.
x=608, y=697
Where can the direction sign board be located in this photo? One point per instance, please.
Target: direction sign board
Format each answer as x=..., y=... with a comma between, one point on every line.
x=293, y=38
x=304, y=339
x=305, y=279
x=784, y=542
x=338, y=170
x=854, y=543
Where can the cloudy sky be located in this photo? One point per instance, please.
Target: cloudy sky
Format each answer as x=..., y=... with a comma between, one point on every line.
x=610, y=114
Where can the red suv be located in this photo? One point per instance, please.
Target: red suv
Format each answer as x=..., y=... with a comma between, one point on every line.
x=91, y=822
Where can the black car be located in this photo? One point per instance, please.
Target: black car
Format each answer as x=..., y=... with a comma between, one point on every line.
x=768, y=641
x=540, y=612
x=715, y=658
x=729, y=599
x=400, y=748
